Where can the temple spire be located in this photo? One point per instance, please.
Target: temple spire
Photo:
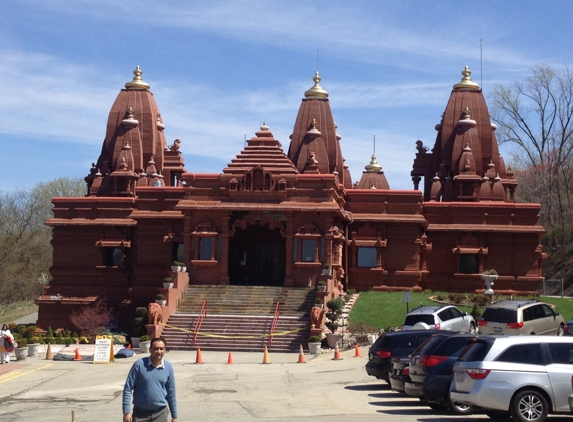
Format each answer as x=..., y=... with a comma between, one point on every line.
x=316, y=92
x=137, y=82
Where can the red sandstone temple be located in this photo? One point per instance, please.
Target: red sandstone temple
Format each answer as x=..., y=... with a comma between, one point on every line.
x=274, y=218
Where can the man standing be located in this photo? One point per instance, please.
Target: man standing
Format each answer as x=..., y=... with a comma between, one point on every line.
x=152, y=382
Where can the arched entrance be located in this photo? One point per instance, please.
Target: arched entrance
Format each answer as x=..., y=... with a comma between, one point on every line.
x=257, y=256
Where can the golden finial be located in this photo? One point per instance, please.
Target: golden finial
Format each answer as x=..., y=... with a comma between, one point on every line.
x=264, y=127
x=466, y=111
x=466, y=83
x=373, y=167
x=316, y=92
x=137, y=82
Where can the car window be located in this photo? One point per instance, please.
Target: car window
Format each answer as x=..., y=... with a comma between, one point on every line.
x=500, y=315
x=522, y=353
x=547, y=311
x=413, y=319
x=445, y=314
x=527, y=314
x=561, y=352
x=538, y=312
x=452, y=346
x=456, y=313
x=475, y=351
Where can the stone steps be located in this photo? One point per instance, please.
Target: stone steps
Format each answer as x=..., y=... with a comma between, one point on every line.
x=239, y=318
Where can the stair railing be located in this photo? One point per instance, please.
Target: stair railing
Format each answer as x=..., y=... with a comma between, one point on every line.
x=274, y=324
x=200, y=318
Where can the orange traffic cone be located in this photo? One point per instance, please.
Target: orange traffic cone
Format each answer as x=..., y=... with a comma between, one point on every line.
x=199, y=359
x=357, y=352
x=49, y=352
x=301, y=358
x=230, y=360
x=266, y=359
x=77, y=357
x=337, y=355
x=128, y=346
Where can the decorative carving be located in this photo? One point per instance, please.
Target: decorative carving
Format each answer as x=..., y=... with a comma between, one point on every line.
x=176, y=145
x=264, y=219
x=420, y=147
x=317, y=317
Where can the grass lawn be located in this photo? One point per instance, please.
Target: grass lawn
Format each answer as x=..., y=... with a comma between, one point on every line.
x=388, y=309
x=13, y=311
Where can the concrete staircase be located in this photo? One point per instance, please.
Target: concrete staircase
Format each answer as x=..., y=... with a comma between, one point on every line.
x=239, y=318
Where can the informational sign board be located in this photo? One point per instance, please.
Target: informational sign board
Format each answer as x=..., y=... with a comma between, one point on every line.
x=407, y=296
x=103, y=352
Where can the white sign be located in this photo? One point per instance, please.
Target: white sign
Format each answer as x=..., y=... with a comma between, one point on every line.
x=103, y=350
x=407, y=296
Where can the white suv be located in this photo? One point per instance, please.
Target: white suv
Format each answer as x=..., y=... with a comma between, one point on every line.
x=446, y=317
x=526, y=377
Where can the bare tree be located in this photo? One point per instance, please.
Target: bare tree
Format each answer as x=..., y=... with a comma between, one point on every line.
x=537, y=116
x=25, y=249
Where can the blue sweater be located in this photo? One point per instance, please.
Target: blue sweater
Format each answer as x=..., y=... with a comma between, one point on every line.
x=153, y=388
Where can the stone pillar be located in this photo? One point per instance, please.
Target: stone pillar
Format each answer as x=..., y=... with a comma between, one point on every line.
x=225, y=236
x=289, y=245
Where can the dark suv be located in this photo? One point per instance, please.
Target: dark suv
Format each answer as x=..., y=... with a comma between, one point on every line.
x=430, y=371
x=395, y=344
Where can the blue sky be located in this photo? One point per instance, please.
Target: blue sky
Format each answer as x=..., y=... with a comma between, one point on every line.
x=218, y=69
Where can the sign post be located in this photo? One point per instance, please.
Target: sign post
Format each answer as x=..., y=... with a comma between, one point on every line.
x=407, y=297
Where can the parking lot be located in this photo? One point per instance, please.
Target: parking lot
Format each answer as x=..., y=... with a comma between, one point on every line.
x=321, y=389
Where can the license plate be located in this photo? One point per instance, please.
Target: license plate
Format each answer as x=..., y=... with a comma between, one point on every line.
x=497, y=329
x=397, y=372
x=459, y=375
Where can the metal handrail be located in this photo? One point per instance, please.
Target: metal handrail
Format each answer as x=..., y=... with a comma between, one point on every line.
x=200, y=318
x=274, y=324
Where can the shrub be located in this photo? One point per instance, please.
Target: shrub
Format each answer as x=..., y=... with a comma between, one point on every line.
x=31, y=330
x=160, y=296
x=90, y=320
x=479, y=300
x=144, y=338
x=22, y=342
x=49, y=332
x=34, y=340
x=351, y=292
x=318, y=301
x=322, y=283
x=314, y=339
x=327, y=266
x=457, y=298
x=12, y=326
x=335, y=305
x=21, y=329
x=167, y=280
x=476, y=312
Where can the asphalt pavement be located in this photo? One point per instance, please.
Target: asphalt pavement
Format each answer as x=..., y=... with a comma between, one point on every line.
x=322, y=389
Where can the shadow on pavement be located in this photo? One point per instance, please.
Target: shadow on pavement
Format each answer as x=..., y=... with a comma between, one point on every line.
x=368, y=387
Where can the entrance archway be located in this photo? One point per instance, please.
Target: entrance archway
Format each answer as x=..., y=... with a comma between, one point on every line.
x=257, y=256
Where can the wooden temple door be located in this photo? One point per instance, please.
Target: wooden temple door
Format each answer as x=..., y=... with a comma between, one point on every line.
x=257, y=257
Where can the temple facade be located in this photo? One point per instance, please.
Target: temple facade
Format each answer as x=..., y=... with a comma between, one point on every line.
x=275, y=217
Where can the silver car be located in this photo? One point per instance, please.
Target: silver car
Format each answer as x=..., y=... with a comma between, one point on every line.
x=523, y=377
x=445, y=317
x=521, y=317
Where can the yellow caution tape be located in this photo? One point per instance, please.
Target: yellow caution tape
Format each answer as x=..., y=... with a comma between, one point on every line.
x=199, y=333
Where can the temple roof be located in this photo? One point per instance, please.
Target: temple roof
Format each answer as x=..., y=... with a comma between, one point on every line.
x=373, y=177
x=262, y=150
x=315, y=137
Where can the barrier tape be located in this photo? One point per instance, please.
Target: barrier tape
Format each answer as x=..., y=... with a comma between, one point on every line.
x=199, y=333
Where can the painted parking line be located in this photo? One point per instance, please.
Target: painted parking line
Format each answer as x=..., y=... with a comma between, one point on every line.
x=24, y=373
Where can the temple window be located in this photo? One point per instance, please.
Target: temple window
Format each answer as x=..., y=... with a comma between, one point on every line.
x=113, y=252
x=469, y=264
x=308, y=250
x=366, y=257
x=308, y=245
x=113, y=257
x=205, y=244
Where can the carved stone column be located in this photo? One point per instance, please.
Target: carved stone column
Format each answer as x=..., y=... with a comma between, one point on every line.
x=225, y=236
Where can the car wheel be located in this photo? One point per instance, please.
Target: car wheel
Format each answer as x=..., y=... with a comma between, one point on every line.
x=472, y=328
x=560, y=331
x=529, y=406
x=461, y=409
x=498, y=415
